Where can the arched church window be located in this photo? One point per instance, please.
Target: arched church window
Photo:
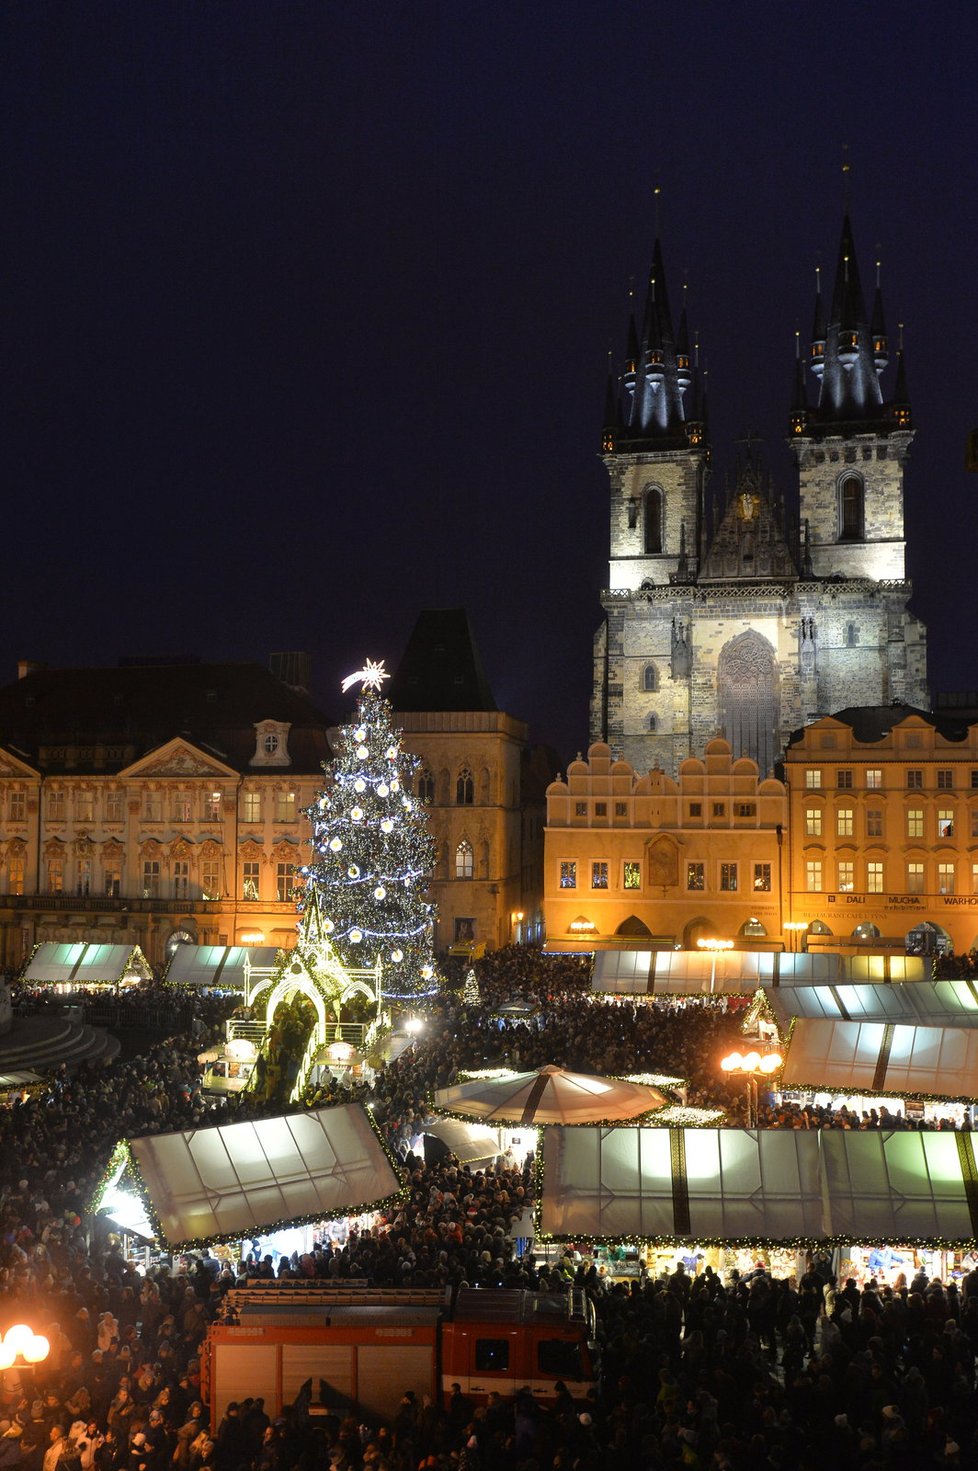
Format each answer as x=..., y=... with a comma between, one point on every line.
x=426, y=785
x=851, y=508
x=650, y=678
x=747, y=685
x=653, y=519
x=464, y=788
x=463, y=860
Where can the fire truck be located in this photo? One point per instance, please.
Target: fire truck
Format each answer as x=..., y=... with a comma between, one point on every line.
x=351, y=1347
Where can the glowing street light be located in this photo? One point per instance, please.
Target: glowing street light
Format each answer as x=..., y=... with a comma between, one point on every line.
x=715, y=948
x=752, y=1065
x=795, y=928
x=21, y=1340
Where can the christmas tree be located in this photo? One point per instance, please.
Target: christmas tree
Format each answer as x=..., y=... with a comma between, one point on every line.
x=470, y=993
x=372, y=852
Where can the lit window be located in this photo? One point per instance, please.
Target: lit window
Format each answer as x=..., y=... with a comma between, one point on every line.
x=945, y=822
x=151, y=878
x=464, y=860
x=212, y=807
x=250, y=880
x=874, y=822
x=915, y=822
x=284, y=881
x=251, y=806
x=813, y=822
x=728, y=878
x=632, y=876
x=695, y=876
x=846, y=877
x=210, y=878
x=945, y=878
x=762, y=878
x=843, y=780
x=813, y=875
x=915, y=878
x=15, y=873
x=844, y=819
x=285, y=806
x=599, y=874
x=915, y=780
x=874, y=779
x=111, y=878
x=874, y=878
x=568, y=875
x=813, y=778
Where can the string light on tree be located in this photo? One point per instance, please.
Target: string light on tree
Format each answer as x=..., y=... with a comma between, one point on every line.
x=373, y=855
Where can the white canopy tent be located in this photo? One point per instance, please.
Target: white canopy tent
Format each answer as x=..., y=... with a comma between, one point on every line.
x=549, y=1095
x=925, y=1003
x=220, y=966
x=238, y=1179
x=738, y=972
x=84, y=963
x=468, y=1142
x=881, y=1057
x=775, y=1185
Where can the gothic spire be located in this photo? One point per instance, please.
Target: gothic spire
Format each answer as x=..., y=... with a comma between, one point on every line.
x=849, y=388
x=658, y=370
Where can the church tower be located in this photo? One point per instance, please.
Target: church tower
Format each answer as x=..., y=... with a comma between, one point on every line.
x=755, y=621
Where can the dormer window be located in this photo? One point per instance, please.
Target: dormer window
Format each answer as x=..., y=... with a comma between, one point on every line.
x=271, y=743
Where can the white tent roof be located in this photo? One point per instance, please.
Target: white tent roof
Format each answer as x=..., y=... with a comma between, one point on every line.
x=217, y=965
x=85, y=963
x=468, y=1142
x=773, y=1185
x=550, y=1095
x=738, y=972
x=927, y=1003
x=240, y=1178
x=879, y=1057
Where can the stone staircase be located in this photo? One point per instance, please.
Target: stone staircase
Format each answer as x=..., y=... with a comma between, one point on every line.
x=42, y=1043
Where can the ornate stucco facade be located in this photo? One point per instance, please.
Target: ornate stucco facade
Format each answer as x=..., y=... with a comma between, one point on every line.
x=146, y=804
x=747, y=617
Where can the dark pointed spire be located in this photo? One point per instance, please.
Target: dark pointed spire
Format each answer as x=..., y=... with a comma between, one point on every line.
x=818, y=328
x=849, y=389
x=658, y=371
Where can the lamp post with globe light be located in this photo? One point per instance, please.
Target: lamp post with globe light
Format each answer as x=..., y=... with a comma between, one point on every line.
x=21, y=1343
x=751, y=1065
x=715, y=948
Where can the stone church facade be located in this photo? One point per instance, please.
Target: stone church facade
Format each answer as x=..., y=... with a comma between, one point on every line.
x=747, y=619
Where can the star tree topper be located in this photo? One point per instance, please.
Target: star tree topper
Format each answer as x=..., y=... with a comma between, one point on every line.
x=371, y=676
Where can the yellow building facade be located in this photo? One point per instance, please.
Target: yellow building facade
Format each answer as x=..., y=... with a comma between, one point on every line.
x=635, y=858
x=883, y=829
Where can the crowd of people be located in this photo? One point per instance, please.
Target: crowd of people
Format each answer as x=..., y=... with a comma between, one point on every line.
x=698, y=1372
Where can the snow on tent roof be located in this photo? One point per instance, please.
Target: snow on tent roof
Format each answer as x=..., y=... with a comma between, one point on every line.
x=738, y=972
x=879, y=1057
x=217, y=965
x=926, y=1003
x=236, y=1179
x=774, y=1185
x=84, y=963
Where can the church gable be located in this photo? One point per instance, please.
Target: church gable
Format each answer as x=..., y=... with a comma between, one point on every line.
x=11, y=765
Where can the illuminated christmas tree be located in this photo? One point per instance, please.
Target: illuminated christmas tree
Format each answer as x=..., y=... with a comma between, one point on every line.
x=470, y=992
x=373, y=853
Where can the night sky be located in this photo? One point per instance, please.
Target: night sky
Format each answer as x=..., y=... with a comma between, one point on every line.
x=307, y=306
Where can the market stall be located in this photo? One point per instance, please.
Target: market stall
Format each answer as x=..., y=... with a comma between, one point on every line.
x=549, y=1095
x=923, y=1003
x=217, y=967
x=739, y=972
x=82, y=965
x=882, y=1058
x=239, y=1180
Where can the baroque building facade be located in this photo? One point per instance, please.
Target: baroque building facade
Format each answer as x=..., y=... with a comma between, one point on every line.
x=483, y=785
x=749, y=619
x=153, y=803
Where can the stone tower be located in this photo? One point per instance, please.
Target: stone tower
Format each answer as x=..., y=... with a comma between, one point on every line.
x=751, y=622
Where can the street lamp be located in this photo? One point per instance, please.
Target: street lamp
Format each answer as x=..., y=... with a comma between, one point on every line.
x=20, y=1340
x=752, y=1066
x=715, y=947
x=795, y=927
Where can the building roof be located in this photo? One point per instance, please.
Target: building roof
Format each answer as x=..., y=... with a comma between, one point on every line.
x=441, y=668
x=55, y=718
x=872, y=723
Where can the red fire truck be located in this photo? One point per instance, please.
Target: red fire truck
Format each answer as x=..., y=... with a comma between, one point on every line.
x=346, y=1347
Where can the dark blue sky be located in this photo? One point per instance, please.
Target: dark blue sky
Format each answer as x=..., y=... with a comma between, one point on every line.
x=307, y=306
